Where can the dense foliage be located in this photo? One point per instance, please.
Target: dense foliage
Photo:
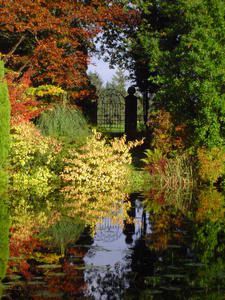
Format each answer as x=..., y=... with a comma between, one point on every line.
x=24, y=106
x=211, y=164
x=33, y=159
x=4, y=117
x=184, y=45
x=55, y=41
x=96, y=177
x=176, y=55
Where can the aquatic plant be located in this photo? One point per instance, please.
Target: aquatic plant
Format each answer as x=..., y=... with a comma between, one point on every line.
x=156, y=198
x=169, y=172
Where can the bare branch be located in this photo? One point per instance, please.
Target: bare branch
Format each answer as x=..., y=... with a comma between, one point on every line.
x=9, y=55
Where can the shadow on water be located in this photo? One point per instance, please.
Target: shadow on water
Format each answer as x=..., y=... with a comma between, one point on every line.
x=168, y=245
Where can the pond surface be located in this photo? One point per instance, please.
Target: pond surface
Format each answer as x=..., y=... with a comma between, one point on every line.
x=169, y=246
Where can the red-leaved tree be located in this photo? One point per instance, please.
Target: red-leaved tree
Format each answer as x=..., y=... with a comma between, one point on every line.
x=23, y=107
x=54, y=37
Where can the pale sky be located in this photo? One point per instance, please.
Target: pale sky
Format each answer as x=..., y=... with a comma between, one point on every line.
x=102, y=68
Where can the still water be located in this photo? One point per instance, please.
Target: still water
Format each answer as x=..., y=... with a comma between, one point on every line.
x=170, y=245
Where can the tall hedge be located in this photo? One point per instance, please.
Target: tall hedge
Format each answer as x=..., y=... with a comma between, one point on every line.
x=4, y=149
x=4, y=118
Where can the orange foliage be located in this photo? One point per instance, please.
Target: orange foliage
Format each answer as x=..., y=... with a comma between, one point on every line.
x=54, y=36
x=210, y=206
x=211, y=164
x=164, y=230
x=22, y=247
x=23, y=107
x=165, y=135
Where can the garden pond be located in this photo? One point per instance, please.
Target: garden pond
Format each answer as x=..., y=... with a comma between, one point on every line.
x=163, y=244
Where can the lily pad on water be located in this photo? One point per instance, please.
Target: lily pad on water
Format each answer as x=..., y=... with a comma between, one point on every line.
x=48, y=294
x=14, y=277
x=174, y=268
x=58, y=274
x=171, y=288
x=152, y=280
x=155, y=292
x=175, y=276
x=75, y=259
x=192, y=264
x=15, y=258
x=88, y=267
x=37, y=278
x=49, y=266
x=174, y=246
x=146, y=294
x=37, y=283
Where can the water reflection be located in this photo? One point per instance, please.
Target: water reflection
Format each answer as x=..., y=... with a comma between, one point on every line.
x=109, y=260
x=186, y=242
x=163, y=244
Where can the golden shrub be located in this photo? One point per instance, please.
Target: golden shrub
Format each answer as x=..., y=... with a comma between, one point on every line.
x=210, y=164
x=96, y=177
x=33, y=159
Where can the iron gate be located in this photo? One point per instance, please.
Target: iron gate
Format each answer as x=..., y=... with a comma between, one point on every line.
x=111, y=111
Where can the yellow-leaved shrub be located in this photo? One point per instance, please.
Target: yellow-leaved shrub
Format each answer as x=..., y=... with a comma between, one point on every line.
x=210, y=205
x=211, y=164
x=96, y=177
x=33, y=159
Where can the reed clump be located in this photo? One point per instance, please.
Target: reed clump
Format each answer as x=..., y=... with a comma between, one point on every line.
x=170, y=173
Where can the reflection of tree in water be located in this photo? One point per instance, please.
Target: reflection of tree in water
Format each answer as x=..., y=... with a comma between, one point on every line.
x=68, y=282
x=128, y=262
x=179, y=259
x=108, y=262
x=108, y=282
x=63, y=232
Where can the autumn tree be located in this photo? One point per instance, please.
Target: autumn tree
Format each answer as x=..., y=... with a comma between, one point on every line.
x=24, y=107
x=54, y=37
